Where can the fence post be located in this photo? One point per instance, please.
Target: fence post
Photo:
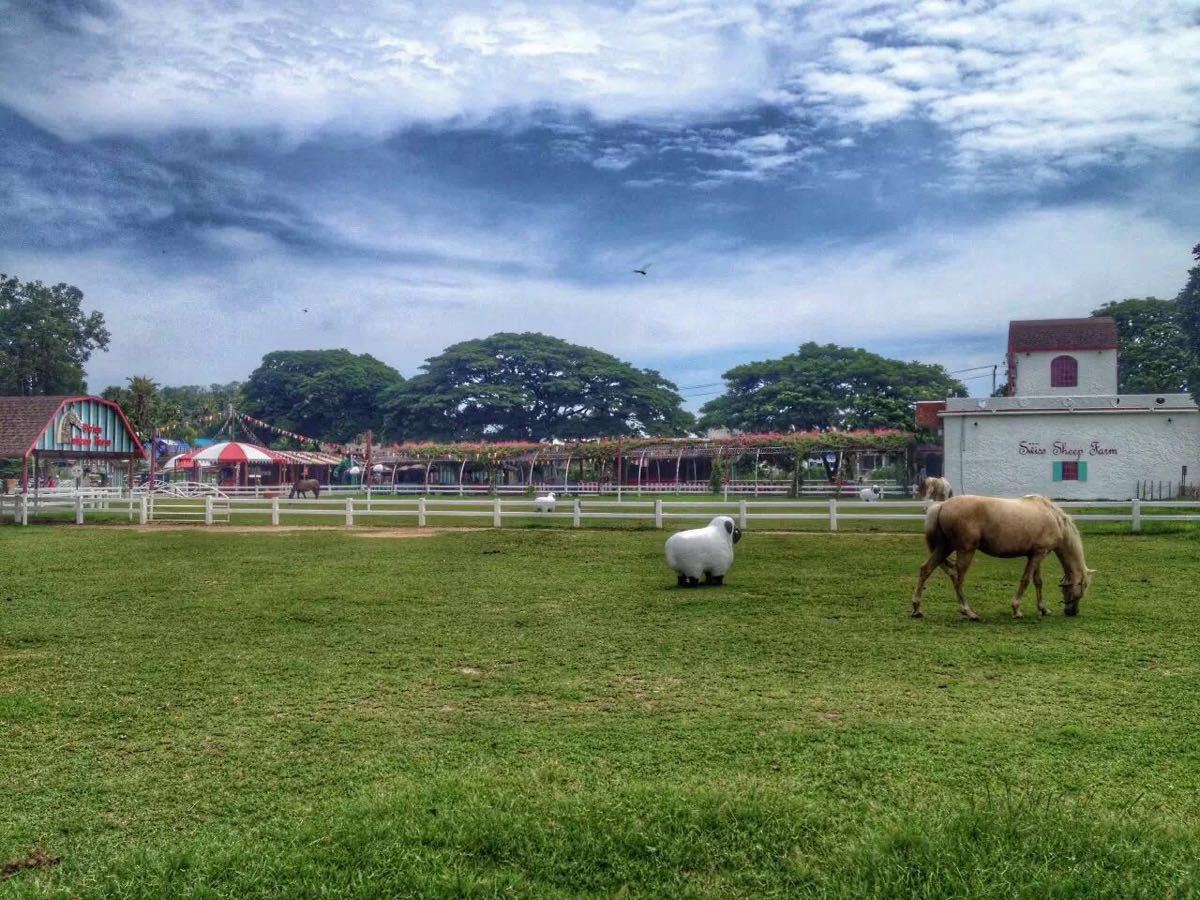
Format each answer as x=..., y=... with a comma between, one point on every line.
x=143, y=510
x=658, y=522
x=496, y=512
x=349, y=511
x=833, y=526
x=742, y=514
x=1136, y=516
x=78, y=509
x=576, y=513
x=24, y=508
x=421, y=512
x=208, y=509
x=274, y=510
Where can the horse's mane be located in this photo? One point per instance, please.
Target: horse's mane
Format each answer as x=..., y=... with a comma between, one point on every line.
x=1069, y=528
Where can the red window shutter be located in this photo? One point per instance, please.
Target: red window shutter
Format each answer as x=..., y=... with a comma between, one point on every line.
x=1064, y=372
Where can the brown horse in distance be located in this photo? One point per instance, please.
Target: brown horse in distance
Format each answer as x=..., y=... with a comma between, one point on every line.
x=1032, y=527
x=304, y=486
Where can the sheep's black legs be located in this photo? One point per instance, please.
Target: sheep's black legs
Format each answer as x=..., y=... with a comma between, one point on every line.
x=714, y=579
x=681, y=581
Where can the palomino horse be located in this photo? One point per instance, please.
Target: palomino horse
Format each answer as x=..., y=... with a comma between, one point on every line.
x=938, y=489
x=1032, y=527
x=304, y=485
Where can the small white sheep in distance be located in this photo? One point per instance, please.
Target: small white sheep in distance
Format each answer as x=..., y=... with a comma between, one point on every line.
x=706, y=552
x=871, y=494
x=544, y=503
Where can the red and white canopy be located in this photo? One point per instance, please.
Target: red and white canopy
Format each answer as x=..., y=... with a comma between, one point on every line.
x=229, y=452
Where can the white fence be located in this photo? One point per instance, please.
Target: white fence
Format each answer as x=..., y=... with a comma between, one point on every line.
x=587, y=489
x=827, y=515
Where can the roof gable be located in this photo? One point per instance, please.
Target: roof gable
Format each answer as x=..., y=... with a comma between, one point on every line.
x=65, y=424
x=1048, y=335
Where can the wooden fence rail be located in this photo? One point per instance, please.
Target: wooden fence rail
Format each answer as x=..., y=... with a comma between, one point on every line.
x=578, y=512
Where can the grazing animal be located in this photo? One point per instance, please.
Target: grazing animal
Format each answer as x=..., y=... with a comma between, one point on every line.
x=545, y=503
x=938, y=489
x=304, y=486
x=872, y=494
x=706, y=552
x=1032, y=527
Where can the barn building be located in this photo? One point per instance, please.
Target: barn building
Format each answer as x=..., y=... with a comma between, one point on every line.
x=1063, y=430
x=47, y=433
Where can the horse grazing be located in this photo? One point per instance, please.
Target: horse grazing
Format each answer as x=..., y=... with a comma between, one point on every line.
x=1031, y=527
x=938, y=489
x=304, y=486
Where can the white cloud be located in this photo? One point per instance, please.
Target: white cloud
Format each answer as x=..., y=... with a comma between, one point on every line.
x=928, y=291
x=1070, y=81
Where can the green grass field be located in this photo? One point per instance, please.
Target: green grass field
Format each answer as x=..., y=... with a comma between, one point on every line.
x=540, y=712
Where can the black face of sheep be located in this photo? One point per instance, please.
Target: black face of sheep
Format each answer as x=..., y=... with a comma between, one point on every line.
x=734, y=530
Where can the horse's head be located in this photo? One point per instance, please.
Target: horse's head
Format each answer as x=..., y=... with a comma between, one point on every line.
x=1073, y=589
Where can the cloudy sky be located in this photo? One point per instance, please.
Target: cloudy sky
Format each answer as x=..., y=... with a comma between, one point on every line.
x=903, y=175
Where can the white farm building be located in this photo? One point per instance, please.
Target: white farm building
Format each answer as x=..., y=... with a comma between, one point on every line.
x=1063, y=430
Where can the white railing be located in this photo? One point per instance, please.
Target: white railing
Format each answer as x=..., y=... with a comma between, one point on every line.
x=147, y=507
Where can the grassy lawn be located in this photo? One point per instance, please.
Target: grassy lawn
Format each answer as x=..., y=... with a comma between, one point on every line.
x=539, y=712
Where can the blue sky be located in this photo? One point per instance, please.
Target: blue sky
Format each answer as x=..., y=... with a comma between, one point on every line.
x=903, y=176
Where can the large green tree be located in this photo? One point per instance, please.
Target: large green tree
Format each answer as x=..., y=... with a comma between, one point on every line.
x=826, y=386
x=1155, y=354
x=532, y=387
x=45, y=337
x=1188, y=301
x=330, y=395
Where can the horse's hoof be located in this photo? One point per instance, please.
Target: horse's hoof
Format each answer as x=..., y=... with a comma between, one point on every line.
x=917, y=614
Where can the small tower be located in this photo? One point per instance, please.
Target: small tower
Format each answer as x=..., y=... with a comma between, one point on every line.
x=1076, y=357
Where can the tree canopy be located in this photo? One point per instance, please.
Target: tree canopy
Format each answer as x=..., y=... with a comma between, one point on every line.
x=532, y=387
x=826, y=386
x=1188, y=302
x=330, y=395
x=45, y=337
x=1155, y=355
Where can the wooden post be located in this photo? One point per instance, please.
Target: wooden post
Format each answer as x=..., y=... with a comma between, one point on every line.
x=1136, y=515
x=742, y=514
x=496, y=518
x=208, y=509
x=833, y=523
x=349, y=511
x=576, y=513
x=421, y=512
x=79, y=509
x=658, y=518
x=274, y=510
x=23, y=499
x=143, y=510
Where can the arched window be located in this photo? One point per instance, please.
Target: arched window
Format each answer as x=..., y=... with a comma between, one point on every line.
x=1064, y=372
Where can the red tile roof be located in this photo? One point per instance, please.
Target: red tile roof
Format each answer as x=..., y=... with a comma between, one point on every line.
x=1045, y=335
x=928, y=413
x=22, y=420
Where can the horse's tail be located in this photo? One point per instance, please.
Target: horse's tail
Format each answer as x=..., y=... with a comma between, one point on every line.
x=933, y=526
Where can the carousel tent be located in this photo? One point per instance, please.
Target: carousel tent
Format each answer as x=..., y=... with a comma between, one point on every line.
x=229, y=453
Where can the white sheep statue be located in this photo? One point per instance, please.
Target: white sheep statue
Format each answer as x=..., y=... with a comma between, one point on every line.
x=872, y=494
x=704, y=552
x=545, y=503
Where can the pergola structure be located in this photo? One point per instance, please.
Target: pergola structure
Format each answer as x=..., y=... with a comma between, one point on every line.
x=41, y=430
x=645, y=463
